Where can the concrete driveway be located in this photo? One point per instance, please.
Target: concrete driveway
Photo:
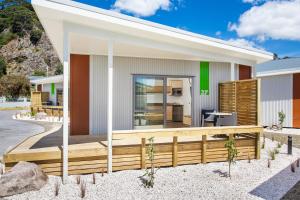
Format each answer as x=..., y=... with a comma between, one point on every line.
x=14, y=131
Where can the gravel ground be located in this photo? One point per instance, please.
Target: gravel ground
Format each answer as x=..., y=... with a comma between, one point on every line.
x=203, y=181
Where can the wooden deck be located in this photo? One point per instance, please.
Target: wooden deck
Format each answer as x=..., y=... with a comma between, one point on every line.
x=178, y=146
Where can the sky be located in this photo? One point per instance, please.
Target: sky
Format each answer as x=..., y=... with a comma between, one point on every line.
x=271, y=25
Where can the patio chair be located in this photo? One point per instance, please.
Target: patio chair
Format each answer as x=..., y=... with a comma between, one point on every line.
x=230, y=120
x=207, y=118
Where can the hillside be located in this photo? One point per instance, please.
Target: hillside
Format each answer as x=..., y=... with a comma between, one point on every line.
x=24, y=46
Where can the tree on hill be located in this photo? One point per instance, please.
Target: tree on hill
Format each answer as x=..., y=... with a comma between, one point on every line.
x=12, y=86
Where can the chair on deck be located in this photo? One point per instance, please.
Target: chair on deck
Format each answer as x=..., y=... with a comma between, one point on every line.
x=230, y=120
x=207, y=118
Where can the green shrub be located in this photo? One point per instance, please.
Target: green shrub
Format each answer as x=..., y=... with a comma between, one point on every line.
x=39, y=73
x=59, y=69
x=272, y=155
x=232, y=154
x=150, y=173
x=5, y=38
x=281, y=116
x=35, y=36
x=13, y=86
x=3, y=67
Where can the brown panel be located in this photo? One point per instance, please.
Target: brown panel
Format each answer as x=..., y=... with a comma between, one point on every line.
x=79, y=95
x=296, y=100
x=244, y=72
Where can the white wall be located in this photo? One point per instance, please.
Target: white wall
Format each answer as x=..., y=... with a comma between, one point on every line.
x=276, y=96
x=124, y=68
x=47, y=88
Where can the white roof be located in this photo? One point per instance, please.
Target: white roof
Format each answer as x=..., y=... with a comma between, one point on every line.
x=132, y=36
x=278, y=67
x=47, y=80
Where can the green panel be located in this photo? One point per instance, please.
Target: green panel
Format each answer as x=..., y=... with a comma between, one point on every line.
x=52, y=88
x=204, y=78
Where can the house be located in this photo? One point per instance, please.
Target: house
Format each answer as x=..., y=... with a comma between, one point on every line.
x=280, y=91
x=125, y=73
x=53, y=85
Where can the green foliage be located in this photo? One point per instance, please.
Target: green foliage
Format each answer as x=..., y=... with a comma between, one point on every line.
x=279, y=145
x=59, y=70
x=3, y=67
x=6, y=37
x=35, y=36
x=19, y=18
x=150, y=173
x=39, y=73
x=13, y=86
x=281, y=116
x=272, y=155
x=232, y=154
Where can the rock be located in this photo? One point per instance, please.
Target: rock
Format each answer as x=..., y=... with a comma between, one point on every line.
x=40, y=116
x=23, y=177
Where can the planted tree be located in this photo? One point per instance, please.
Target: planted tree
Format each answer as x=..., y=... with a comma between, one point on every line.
x=232, y=154
x=281, y=116
x=12, y=86
x=150, y=172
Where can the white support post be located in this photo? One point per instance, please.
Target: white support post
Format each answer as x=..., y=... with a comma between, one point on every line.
x=232, y=71
x=66, y=105
x=110, y=106
x=253, y=71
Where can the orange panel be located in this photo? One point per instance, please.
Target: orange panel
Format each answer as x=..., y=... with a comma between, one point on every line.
x=296, y=100
x=244, y=72
x=79, y=94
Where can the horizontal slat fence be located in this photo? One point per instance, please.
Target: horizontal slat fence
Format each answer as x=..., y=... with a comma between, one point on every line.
x=241, y=97
x=172, y=147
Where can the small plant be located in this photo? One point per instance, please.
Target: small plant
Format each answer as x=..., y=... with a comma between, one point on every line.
x=279, y=145
x=184, y=170
x=264, y=142
x=78, y=180
x=102, y=172
x=276, y=151
x=249, y=158
x=298, y=162
x=293, y=168
x=82, y=189
x=94, y=178
x=273, y=138
x=232, y=154
x=56, y=188
x=269, y=163
x=150, y=173
x=281, y=117
x=272, y=155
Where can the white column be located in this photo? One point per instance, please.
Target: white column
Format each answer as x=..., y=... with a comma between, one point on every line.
x=253, y=71
x=109, y=106
x=232, y=71
x=66, y=105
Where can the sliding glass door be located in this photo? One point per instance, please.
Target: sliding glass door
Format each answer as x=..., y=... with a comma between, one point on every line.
x=162, y=102
x=148, y=102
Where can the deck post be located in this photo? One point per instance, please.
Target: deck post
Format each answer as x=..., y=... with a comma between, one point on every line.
x=232, y=71
x=175, y=151
x=257, y=148
x=110, y=106
x=204, y=147
x=143, y=153
x=66, y=57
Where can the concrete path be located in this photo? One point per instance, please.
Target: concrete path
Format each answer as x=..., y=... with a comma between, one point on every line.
x=13, y=131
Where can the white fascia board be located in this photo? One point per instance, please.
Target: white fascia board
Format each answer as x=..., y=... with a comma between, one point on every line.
x=278, y=72
x=50, y=79
x=117, y=37
x=137, y=24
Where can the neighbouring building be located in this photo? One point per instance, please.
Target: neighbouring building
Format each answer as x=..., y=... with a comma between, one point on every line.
x=280, y=91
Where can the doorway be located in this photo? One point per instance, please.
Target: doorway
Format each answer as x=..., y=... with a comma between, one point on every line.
x=162, y=102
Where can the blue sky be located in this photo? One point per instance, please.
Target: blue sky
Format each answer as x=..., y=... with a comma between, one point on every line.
x=267, y=24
